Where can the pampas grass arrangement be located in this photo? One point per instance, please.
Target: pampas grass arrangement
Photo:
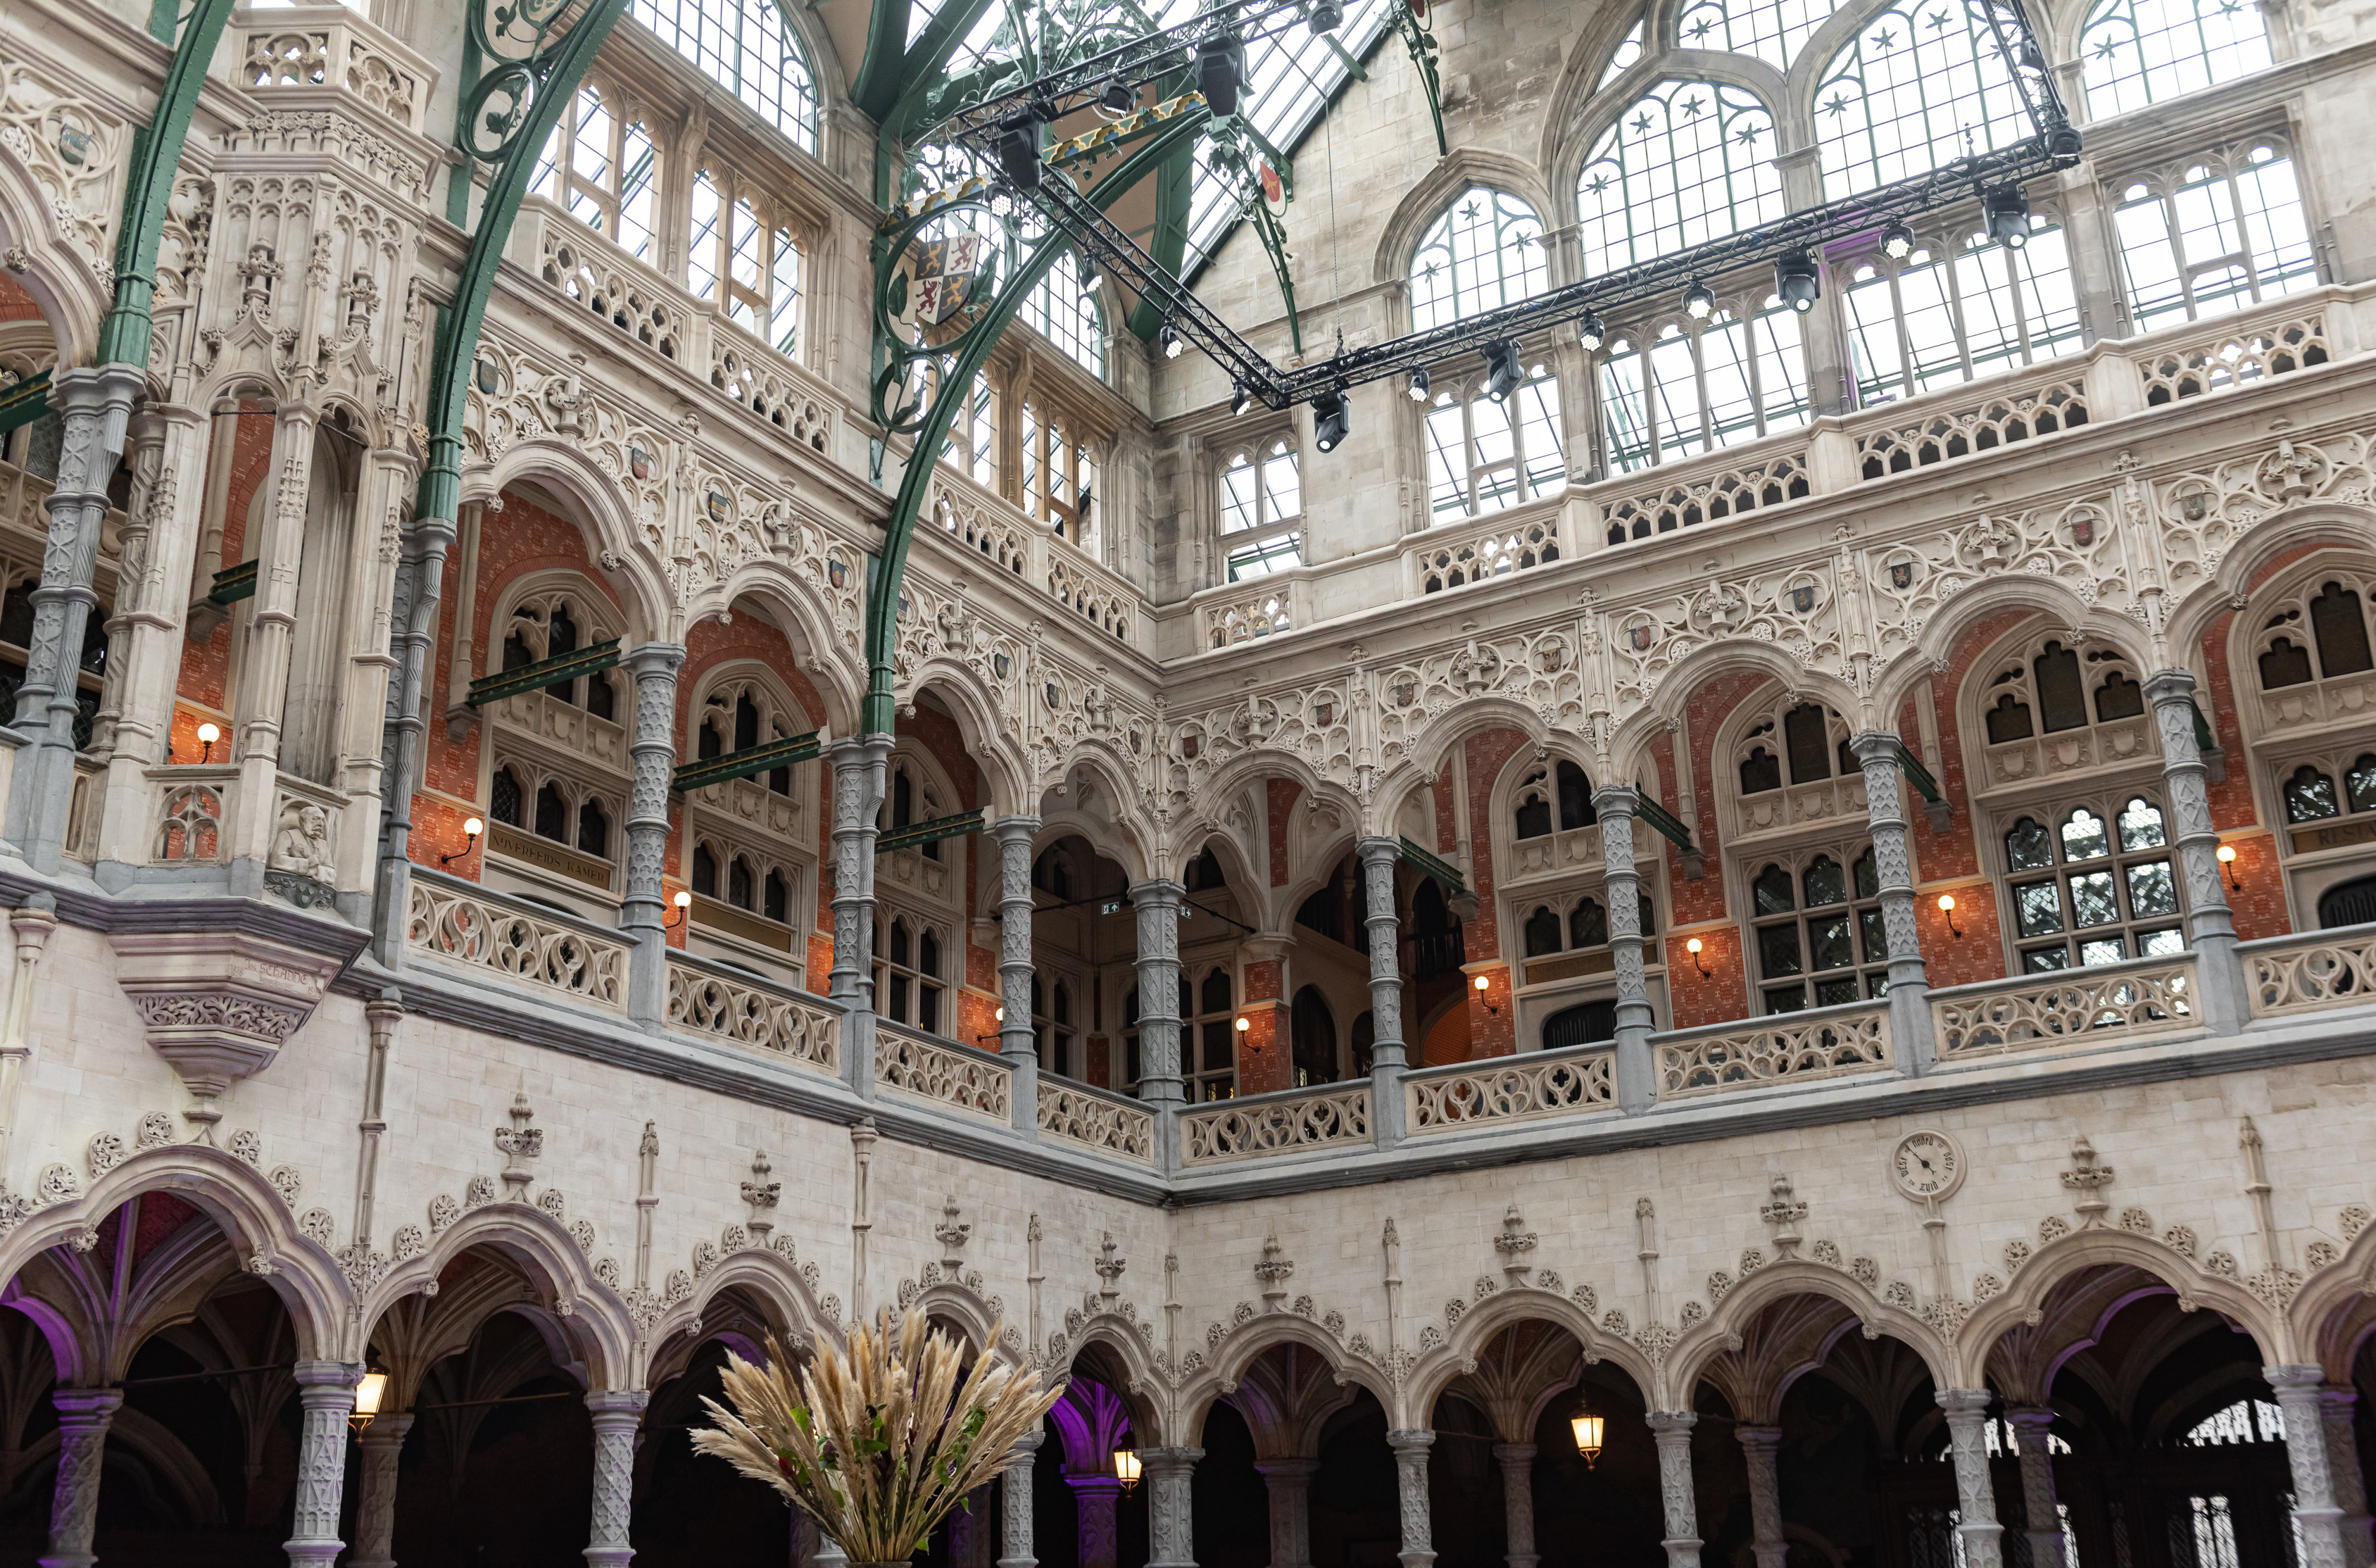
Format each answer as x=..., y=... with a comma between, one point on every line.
x=876, y=1446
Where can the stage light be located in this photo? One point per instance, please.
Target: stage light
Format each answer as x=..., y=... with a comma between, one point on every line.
x=2008, y=215
x=1328, y=16
x=1795, y=282
x=1592, y=330
x=1419, y=384
x=1502, y=371
x=1897, y=242
x=1018, y=151
x=1698, y=303
x=1332, y=422
x=1169, y=338
x=1240, y=398
x=1117, y=98
x=1220, y=65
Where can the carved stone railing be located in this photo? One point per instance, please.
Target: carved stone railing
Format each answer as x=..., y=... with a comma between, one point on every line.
x=1522, y=1088
x=1247, y=611
x=1075, y=583
x=702, y=999
x=1700, y=493
x=332, y=47
x=192, y=804
x=1996, y=420
x=454, y=921
x=1458, y=556
x=1790, y=1048
x=2311, y=971
x=2043, y=1012
x=1091, y=1119
x=950, y=1075
x=2243, y=353
x=751, y=373
x=1258, y=1125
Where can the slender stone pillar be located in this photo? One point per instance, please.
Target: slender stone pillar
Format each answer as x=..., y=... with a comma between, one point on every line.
x=419, y=583
x=95, y=407
x=1760, y=1445
x=1094, y=1500
x=1672, y=1432
x=1014, y=1504
x=2317, y=1517
x=971, y=1533
x=1157, y=904
x=1290, y=1509
x=1636, y=1069
x=381, y=1442
x=327, y=1392
x=643, y=912
x=617, y=1412
x=1909, y=986
x=2032, y=1429
x=1968, y=1414
x=1410, y=1448
x=83, y=1415
x=1387, y=1059
x=1519, y=1502
x=2334, y=1410
x=1170, y=1525
x=857, y=781
x=1017, y=1041
x=2210, y=931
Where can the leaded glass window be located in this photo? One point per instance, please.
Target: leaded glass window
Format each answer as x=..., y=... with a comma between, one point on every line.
x=1483, y=456
x=743, y=46
x=1955, y=310
x=1688, y=161
x=1734, y=377
x=2141, y=51
x=1898, y=100
x=2210, y=238
x=1485, y=252
x=2093, y=883
x=1262, y=511
x=610, y=181
x=1817, y=931
x=1627, y=53
x=1073, y=321
x=1773, y=31
x=909, y=984
x=741, y=257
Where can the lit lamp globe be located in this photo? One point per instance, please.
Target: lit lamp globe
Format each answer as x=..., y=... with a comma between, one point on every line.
x=369, y=1394
x=1126, y=1469
x=1586, y=1427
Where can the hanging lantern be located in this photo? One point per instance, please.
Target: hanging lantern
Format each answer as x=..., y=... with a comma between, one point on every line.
x=1126, y=1469
x=1586, y=1427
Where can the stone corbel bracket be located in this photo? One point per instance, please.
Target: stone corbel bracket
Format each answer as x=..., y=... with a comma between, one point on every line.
x=219, y=1005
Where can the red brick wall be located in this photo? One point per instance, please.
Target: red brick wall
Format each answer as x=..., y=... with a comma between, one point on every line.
x=1717, y=997
x=1262, y=1062
x=1722, y=994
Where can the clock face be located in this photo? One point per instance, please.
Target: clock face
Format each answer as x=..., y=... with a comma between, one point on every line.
x=1927, y=1166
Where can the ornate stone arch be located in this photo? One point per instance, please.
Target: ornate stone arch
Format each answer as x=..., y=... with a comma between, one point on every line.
x=767, y=1276
x=806, y=619
x=1238, y=1347
x=1579, y=84
x=1629, y=747
x=65, y=224
x=2334, y=1312
x=598, y=1323
x=2243, y=571
x=1934, y=648
x=1723, y=1329
x=1437, y=1370
x=591, y=499
x=978, y=707
x=1425, y=202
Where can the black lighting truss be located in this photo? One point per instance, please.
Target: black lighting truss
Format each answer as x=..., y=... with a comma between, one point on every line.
x=1165, y=54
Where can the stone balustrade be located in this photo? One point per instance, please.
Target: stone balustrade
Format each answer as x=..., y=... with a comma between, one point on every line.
x=1094, y=1119
x=2032, y=1013
x=1256, y=1125
x=1519, y=1088
x=704, y=999
x=2311, y=971
x=459, y=923
x=951, y=1075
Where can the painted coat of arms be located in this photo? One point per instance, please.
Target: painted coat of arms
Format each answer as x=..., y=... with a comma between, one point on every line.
x=946, y=273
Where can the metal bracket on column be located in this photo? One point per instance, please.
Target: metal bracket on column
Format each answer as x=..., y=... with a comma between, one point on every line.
x=2215, y=758
x=233, y=584
x=1936, y=807
x=1669, y=827
x=25, y=401
x=561, y=668
x=1429, y=863
x=929, y=832
x=744, y=763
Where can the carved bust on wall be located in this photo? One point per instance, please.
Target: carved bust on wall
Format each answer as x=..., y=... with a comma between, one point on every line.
x=302, y=845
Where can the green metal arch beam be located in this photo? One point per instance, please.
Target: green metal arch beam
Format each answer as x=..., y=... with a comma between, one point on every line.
x=156, y=159
x=1174, y=182
x=459, y=325
x=900, y=531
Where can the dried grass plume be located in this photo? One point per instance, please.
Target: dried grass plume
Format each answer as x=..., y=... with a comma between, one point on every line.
x=878, y=1445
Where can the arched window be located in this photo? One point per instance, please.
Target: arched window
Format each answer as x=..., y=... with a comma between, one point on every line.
x=1773, y=31
x=705, y=870
x=907, y=973
x=2341, y=626
x=1542, y=932
x=1819, y=932
x=2141, y=51
x=744, y=254
x=551, y=814
x=1262, y=510
x=594, y=830
x=1687, y=162
x=503, y=797
x=744, y=46
x=2096, y=881
x=738, y=883
x=1485, y=252
x=1897, y=99
x=1072, y=320
x=2309, y=795
x=1678, y=387
x=1627, y=53
x=1588, y=1023
x=2057, y=688
x=2213, y=234
x=1587, y=923
x=1312, y=1028
x=1203, y=873
x=610, y=181
x=1484, y=455
x=779, y=897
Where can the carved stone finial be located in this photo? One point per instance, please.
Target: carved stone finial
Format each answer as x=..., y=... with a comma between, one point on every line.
x=1108, y=1266
x=952, y=1236
x=1784, y=1213
x=1274, y=1271
x=521, y=1144
x=1514, y=1243
x=762, y=1195
x=2088, y=1179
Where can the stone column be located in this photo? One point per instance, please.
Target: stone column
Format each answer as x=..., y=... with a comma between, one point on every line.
x=419, y=584
x=2334, y=1411
x=2031, y=1429
x=1387, y=1061
x=1910, y=993
x=95, y=406
x=381, y=1442
x=1170, y=1527
x=327, y=1392
x=617, y=1412
x=1410, y=1487
x=1014, y=1504
x=2219, y=1000
x=1518, y=1501
x=1157, y=904
x=83, y=1415
x=858, y=780
x=1636, y=1068
x=1968, y=1414
x=263, y=660
x=1095, y=1497
x=1290, y=1509
x=1760, y=1446
x=1017, y=1041
x=643, y=912
x=2317, y=1517
x=1672, y=1432
x=970, y=1532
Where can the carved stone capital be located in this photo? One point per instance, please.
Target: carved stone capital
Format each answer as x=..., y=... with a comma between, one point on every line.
x=219, y=1005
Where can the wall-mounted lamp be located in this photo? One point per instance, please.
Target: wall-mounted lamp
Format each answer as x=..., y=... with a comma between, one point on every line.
x=1484, y=985
x=684, y=901
x=369, y=1394
x=1126, y=1469
x=1693, y=947
x=1586, y=1427
x=1947, y=908
x=2227, y=859
x=471, y=828
x=208, y=735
